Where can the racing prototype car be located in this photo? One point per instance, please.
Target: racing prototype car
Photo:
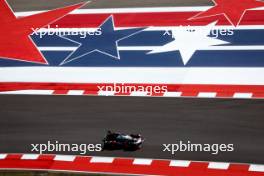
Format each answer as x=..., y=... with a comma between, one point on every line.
x=119, y=141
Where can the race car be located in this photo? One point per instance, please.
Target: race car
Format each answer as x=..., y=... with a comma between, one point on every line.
x=119, y=141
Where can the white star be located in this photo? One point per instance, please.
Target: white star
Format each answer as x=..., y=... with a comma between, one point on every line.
x=188, y=40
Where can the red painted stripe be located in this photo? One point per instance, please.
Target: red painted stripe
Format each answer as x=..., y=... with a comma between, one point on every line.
x=93, y=87
x=60, y=92
x=252, y=17
x=14, y=156
x=258, y=95
x=225, y=94
x=123, y=166
x=189, y=94
x=238, y=168
x=188, y=90
x=90, y=92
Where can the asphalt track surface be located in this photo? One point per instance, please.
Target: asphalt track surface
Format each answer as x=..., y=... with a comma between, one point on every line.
x=78, y=119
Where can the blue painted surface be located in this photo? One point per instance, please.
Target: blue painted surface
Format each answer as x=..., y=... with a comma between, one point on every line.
x=86, y=56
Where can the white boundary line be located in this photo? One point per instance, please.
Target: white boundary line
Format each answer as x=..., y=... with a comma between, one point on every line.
x=162, y=75
x=150, y=48
x=28, y=92
x=218, y=165
x=236, y=95
x=132, y=10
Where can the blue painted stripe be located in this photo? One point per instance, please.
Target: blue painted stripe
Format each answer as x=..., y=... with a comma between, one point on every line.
x=140, y=59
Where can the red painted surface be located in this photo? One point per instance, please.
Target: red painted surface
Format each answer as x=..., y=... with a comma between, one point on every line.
x=123, y=166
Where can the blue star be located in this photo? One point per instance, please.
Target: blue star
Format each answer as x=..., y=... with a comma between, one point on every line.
x=106, y=43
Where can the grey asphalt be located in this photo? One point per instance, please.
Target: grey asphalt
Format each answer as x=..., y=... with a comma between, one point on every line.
x=77, y=119
x=26, y=5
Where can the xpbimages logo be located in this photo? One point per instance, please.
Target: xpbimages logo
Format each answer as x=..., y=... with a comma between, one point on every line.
x=188, y=146
x=212, y=31
x=56, y=31
x=56, y=146
x=128, y=89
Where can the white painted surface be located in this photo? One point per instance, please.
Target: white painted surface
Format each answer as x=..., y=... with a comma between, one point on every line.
x=180, y=163
x=132, y=10
x=207, y=94
x=64, y=158
x=142, y=161
x=172, y=94
x=218, y=165
x=30, y=156
x=215, y=75
x=101, y=160
x=29, y=92
x=76, y=92
x=256, y=168
x=242, y=95
x=3, y=156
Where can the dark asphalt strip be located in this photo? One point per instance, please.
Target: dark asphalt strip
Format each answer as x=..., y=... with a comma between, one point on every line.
x=77, y=119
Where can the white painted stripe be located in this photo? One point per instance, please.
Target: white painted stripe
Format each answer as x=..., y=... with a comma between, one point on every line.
x=209, y=48
x=218, y=27
x=64, y=158
x=125, y=10
x=75, y=92
x=180, y=163
x=142, y=161
x=256, y=168
x=57, y=48
x=218, y=165
x=28, y=92
x=207, y=94
x=30, y=156
x=243, y=95
x=3, y=156
x=102, y=160
x=162, y=75
x=106, y=93
x=172, y=94
x=149, y=48
x=139, y=93
x=142, y=9
x=132, y=10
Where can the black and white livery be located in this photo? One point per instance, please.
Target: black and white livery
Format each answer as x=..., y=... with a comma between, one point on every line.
x=119, y=141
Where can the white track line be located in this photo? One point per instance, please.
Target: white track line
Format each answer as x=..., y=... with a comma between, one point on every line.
x=75, y=92
x=172, y=94
x=30, y=156
x=216, y=165
x=242, y=95
x=64, y=158
x=29, y=92
x=101, y=160
x=149, y=48
x=139, y=94
x=180, y=163
x=3, y=156
x=106, y=93
x=132, y=10
x=207, y=94
x=256, y=168
x=142, y=161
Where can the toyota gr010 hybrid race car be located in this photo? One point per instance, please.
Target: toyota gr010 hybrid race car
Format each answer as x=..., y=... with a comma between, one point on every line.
x=119, y=141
